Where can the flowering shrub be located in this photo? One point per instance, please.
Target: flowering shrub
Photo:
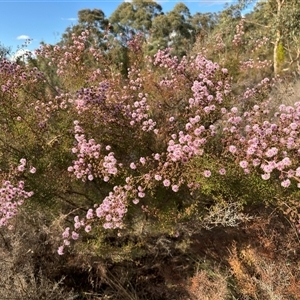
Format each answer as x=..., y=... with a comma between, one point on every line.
x=12, y=194
x=270, y=145
x=162, y=140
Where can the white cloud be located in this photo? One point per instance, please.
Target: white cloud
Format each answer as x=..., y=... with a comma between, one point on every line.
x=69, y=19
x=214, y=1
x=23, y=37
x=21, y=53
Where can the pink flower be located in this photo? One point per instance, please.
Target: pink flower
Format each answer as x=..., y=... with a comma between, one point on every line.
x=88, y=228
x=156, y=156
x=286, y=183
x=107, y=225
x=166, y=182
x=89, y=214
x=157, y=177
x=23, y=161
x=132, y=166
x=175, y=188
x=271, y=152
x=244, y=164
x=286, y=161
x=75, y=235
x=225, y=71
x=256, y=162
x=265, y=176
x=21, y=168
x=66, y=233
x=234, y=110
x=207, y=173
x=60, y=250
x=232, y=149
x=77, y=225
x=197, y=131
x=188, y=126
x=32, y=170
x=223, y=110
x=222, y=171
x=246, y=171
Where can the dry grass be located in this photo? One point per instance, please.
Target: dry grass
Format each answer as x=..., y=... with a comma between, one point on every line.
x=207, y=285
x=262, y=278
x=27, y=261
x=268, y=267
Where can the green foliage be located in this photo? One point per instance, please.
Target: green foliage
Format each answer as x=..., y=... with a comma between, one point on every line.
x=133, y=16
x=234, y=186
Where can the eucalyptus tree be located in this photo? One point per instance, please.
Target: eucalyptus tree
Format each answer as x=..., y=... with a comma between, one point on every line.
x=278, y=20
x=173, y=29
x=182, y=33
x=159, y=34
x=4, y=51
x=135, y=16
x=204, y=23
x=160, y=29
x=284, y=22
x=92, y=20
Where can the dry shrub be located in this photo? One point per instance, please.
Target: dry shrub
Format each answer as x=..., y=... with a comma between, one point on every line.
x=241, y=273
x=261, y=277
x=28, y=264
x=208, y=285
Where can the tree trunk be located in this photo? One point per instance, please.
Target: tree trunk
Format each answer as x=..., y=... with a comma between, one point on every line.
x=275, y=53
x=277, y=39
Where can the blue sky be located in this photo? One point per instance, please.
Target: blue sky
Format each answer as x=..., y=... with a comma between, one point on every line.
x=47, y=20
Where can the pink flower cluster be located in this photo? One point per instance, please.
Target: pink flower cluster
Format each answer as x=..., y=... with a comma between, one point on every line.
x=259, y=43
x=219, y=43
x=70, y=59
x=12, y=195
x=208, y=91
x=111, y=211
x=255, y=64
x=237, y=39
x=271, y=146
x=187, y=145
x=260, y=90
x=139, y=113
x=89, y=163
x=174, y=67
